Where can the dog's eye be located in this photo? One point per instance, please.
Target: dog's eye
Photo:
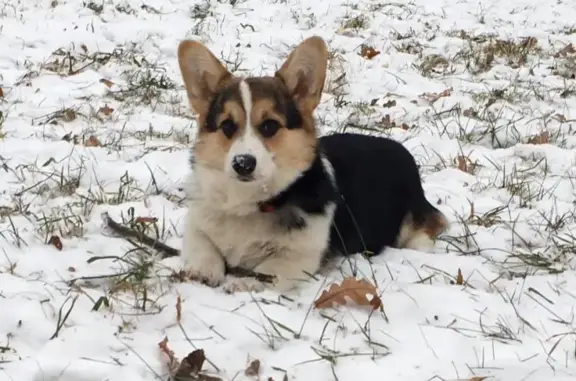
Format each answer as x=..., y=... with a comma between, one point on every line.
x=268, y=128
x=228, y=128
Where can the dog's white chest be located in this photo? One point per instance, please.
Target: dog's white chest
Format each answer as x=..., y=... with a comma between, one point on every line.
x=248, y=240
x=243, y=240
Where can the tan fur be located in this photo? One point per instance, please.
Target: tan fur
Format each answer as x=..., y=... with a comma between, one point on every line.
x=202, y=73
x=421, y=237
x=301, y=75
x=293, y=149
x=210, y=149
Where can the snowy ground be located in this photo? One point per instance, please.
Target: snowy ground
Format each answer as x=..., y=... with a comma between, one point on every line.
x=93, y=119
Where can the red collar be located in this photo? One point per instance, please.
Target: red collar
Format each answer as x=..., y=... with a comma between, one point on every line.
x=266, y=207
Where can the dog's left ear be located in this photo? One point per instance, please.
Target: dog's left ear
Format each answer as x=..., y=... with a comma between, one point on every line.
x=304, y=72
x=202, y=72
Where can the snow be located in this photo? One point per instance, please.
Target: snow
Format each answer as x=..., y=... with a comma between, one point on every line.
x=511, y=208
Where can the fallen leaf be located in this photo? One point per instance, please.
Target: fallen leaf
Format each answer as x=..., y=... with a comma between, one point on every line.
x=173, y=363
x=390, y=103
x=69, y=115
x=387, y=122
x=71, y=269
x=463, y=163
x=1, y=93
x=459, y=278
x=433, y=97
x=561, y=118
x=84, y=48
x=470, y=113
x=191, y=365
x=253, y=369
x=178, y=309
x=568, y=49
x=541, y=138
x=404, y=126
x=93, y=142
x=145, y=220
x=106, y=110
x=355, y=289
x=56, y=242
x=368, y=52
x=107, y=82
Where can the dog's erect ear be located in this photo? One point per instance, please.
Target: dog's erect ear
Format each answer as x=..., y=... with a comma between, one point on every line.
x=202, y=73
x=304, y=72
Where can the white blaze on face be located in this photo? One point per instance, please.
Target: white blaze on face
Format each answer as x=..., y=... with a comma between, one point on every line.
x=249, y=143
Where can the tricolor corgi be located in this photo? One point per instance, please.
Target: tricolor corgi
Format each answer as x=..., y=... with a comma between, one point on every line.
x=267, y=194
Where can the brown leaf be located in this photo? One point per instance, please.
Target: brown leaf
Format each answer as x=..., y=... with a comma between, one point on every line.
x=390, y=103
x=433, y=97
x=93, y=142
x=541, y=138
x=56, y=242
x=192, y=364
x=253, y=369
x=478, y=378
x=368, y=52
x=404, y=126
x=387, y=122
x=470, y=113
x=355, y=289
x=172, y=360
x=1, y=93
x=568, y=49
x=107, y=82
x=106, y=110
x=84, y=48
x=178, y=309
x=72, y=269
x=145, y=220
x=69, y=115
x=561, y=118
x=463, y=163
x=459, y=278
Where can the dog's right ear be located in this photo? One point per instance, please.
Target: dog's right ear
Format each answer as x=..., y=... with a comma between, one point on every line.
x=202, y=73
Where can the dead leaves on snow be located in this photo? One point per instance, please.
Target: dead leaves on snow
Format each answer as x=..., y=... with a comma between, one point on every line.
x=459, y=278
x=368, y=52
x=541, y=138
x=190, y=368
x=253, y=368
x=356, y=290
x=56, y=242
x=433, y=97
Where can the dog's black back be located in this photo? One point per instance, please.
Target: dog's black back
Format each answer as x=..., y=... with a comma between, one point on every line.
x=379, y=184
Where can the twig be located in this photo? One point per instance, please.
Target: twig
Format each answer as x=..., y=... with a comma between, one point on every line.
x=168, y=251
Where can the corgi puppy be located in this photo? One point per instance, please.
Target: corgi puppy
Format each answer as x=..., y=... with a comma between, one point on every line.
x=267, y=194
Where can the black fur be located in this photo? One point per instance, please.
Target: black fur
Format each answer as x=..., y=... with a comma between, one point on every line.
x=378, y=184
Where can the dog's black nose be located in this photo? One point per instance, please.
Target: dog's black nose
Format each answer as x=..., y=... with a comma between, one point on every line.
x=244, y=165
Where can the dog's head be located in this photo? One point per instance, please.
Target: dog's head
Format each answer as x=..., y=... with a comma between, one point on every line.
x=255, y=132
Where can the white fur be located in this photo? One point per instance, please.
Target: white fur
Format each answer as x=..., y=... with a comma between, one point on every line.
x=420, y=241
x=252, y=241
x=410, y=238
x=250, y=144
x=224, y=224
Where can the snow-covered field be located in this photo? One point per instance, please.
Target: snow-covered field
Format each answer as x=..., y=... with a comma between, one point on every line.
x=93, y=119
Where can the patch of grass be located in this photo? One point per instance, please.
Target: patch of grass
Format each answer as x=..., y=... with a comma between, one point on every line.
x=481, y=53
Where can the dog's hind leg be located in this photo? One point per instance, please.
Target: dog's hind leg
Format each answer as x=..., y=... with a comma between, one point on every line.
x=421, y=226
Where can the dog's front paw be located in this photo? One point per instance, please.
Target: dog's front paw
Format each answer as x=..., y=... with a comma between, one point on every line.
x=209, y=270
x=235, y=284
